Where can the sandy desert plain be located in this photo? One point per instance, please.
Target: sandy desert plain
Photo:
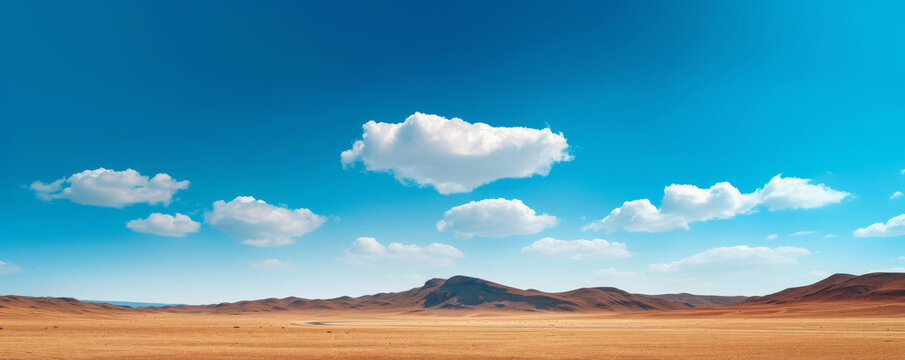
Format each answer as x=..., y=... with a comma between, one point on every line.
x=844, y=316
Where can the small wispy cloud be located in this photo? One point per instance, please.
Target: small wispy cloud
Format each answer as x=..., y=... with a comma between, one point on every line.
x=9, y=268
x=736, y=257
x=177, y=225
x=578, y=249
x=803, y=232
x=896, y=195
x=830, y=236
x=368, y=250
x=270, y=264
x=772, y=236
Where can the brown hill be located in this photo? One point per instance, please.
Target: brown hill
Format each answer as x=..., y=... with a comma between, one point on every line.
x=63, y=305
x=459, y=293
x=878, y=287
x=699, y=301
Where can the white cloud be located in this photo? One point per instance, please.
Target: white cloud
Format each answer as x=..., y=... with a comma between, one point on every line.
x=9, y=268
x=455, y=156
x=893, y=227
x=270, y=264
x=638, y=215
x=772, y=236
x=682, y=204
x=165, y=225
x=369, y=250
x=830, y=236
x=257, y=223
x=494, y=218
x=577, y=249
x=901, y=258
x=896, y=195
x=685, y=204
x=797, y=193
x=102, y=187
x=736, y=257
x=803, y=232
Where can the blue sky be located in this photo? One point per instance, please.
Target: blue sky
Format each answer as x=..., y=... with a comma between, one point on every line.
x=259, y=100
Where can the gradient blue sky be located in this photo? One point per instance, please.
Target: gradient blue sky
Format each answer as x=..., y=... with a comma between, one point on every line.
x=260, y=98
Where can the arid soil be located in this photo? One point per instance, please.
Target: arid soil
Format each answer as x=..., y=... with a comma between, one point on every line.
x=841, y=317
x=867, y=332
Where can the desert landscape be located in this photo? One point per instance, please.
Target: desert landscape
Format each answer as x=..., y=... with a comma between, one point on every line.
x=843, y=316
x=383, y=180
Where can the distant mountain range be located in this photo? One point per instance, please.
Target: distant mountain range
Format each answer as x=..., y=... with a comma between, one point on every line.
x=462, y=293
x=842, y=287
x=468, y=293
x=128, y=303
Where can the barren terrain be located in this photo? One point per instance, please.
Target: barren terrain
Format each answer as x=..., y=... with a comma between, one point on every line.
x=840, y=317
x=313, y=335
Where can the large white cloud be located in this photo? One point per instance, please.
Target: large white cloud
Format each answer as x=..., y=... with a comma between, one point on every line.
x=494, y=218
x=893, y=227
x=257, y=223
x=577, y=249
x=736, y=257
x=369, y=250
x=455, y=156
x=9, y=268
x=165, y=225
x=103, y=187
x=685, y=204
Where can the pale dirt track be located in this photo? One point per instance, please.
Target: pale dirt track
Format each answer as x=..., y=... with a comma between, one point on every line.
x=40, y=335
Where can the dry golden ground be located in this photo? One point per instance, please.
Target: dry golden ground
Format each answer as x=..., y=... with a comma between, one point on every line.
x=755, y=333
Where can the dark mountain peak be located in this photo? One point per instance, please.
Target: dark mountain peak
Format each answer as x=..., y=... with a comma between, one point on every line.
x=611, y=289
x=462, y=279
x=465, y=292
x=455, y=280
